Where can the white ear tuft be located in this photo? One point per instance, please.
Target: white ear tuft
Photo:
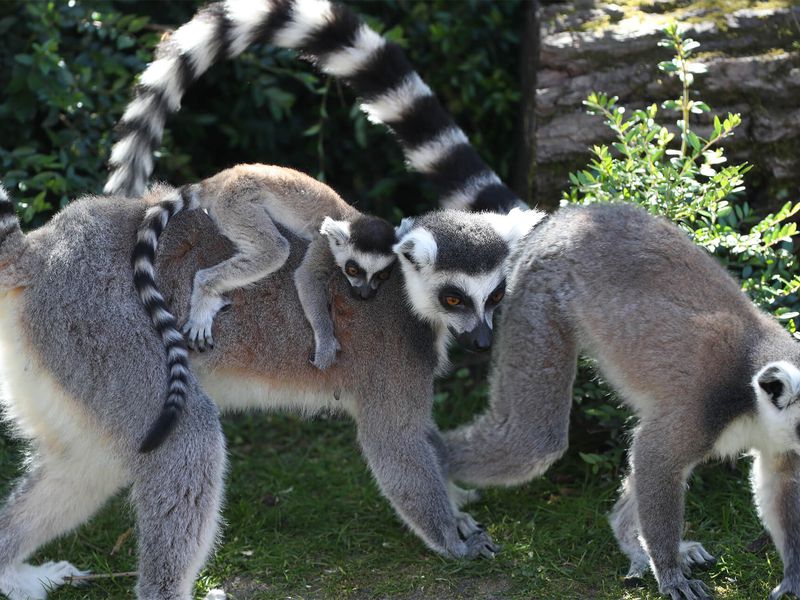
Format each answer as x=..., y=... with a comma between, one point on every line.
x=515, y=225
x=336, y=231
x=778, y=382
x=405, y=226
x=417, y=246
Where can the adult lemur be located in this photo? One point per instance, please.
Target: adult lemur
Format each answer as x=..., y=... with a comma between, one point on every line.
x=86, y=407
x=248, y=204
x=706, y=373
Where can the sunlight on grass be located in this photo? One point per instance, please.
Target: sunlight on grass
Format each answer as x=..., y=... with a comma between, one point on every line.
x=305, y=520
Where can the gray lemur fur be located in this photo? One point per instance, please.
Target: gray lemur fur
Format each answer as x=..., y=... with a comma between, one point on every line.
x=83, y=374
x=248, y=203
x=706, y=373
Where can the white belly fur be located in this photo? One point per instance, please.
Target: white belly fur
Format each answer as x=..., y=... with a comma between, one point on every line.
x=235, y=391
x=38, y=408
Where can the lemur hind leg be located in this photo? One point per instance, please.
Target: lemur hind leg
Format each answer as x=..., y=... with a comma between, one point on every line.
x=57, y=494
x=624, y=520
x=177, y=492
x=260, y=250
x=661, y=464
x=776, y=487
x=525, y=428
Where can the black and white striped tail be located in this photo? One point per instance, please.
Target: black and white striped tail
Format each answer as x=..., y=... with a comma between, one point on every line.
x=144, y=253
x=8, y=215
x=341, y=45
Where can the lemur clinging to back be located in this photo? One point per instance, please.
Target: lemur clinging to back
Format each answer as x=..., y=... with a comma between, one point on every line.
x=248, y=203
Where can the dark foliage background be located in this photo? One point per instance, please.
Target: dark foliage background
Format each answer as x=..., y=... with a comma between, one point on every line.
x=66, y=70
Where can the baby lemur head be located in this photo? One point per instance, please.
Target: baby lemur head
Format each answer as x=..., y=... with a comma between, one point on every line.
x=777, y=387
x=454, y=264
x=362, y=248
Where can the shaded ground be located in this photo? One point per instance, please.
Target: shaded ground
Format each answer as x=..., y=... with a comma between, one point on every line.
x=305, y=521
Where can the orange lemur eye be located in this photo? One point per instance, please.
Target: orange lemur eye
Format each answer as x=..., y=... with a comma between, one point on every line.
x=352, y=269
x=452, y=300
x=498, y=294
x=384, y=275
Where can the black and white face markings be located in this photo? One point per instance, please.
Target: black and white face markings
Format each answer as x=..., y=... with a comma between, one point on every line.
x=455, y=263
x=777, y=387
x=362, y=249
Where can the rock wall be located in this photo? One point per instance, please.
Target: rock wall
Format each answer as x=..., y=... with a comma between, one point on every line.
x=752, y=51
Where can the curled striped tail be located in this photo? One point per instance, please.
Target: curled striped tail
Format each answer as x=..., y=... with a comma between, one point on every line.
x=144, y=253
x=341, y=45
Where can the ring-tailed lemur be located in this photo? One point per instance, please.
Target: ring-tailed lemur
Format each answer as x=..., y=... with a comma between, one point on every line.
x=249, y=203
x=706, y=373
x=341, y=45
x=99, y=379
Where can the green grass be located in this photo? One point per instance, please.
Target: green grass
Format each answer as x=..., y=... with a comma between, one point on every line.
x=305, y=520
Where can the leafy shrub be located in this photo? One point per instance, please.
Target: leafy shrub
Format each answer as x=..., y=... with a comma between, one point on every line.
x=691, y=185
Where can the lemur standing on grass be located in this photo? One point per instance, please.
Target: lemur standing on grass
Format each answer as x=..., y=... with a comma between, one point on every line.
x=707, y=374
x=249, y=203
x=85, y=410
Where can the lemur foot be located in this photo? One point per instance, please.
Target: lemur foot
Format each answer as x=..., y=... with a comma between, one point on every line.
x=681, y=588
x=325, y=353
x=636, y=572
x=197, y=328
x=216, y=595
x=28, y=582
x=480, y=544
x=467, y=526
x=789, y=586
x=692, y=555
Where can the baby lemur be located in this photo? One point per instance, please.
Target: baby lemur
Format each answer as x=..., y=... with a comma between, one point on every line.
x=248, y=204
x=706, y=372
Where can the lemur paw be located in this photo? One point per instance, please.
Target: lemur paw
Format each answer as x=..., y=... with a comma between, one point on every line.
x=686, y=589
x=480, y=544
x=692, y=555
x=325, y=353
x=28, y=582
x=467, y=526
x=197, y=328
x=787, y=587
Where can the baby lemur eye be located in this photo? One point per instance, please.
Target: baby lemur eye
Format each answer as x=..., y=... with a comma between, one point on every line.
x=352, y=269
x=384, y=275
x=497, y=295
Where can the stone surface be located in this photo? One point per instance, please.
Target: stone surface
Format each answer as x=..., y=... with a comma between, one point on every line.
x=753, y=68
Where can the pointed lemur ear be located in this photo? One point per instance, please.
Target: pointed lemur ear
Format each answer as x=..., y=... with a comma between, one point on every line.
x=417, y=246
x=778, y=381
x=404, y=227
x=338, y=231
x=515, y=225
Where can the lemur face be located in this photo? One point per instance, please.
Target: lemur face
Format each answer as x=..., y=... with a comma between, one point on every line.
x=454, y=265
x=362, y=250
x=777, y=387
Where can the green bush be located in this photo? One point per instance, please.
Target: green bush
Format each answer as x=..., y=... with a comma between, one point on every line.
x=691, y=185
x=67, y=69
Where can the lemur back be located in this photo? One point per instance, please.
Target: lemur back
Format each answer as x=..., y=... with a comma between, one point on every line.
x=706, y=373
x=249, y=203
